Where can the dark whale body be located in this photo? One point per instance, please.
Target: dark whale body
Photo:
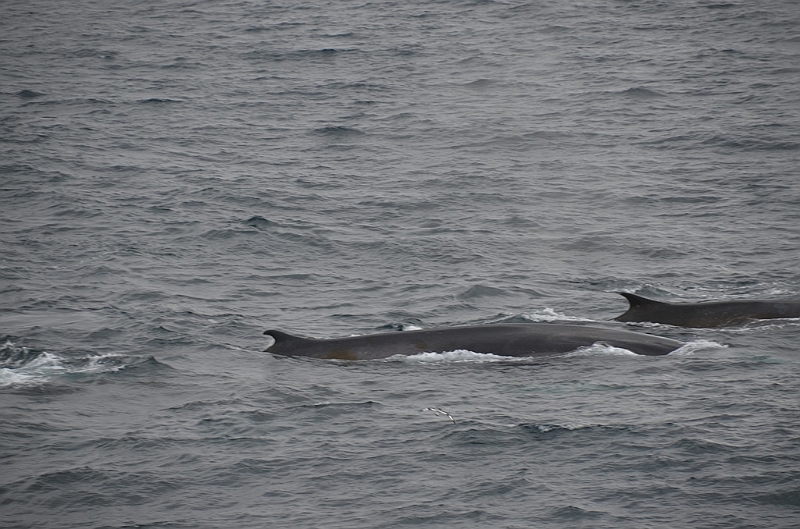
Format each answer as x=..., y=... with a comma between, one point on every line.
x=707, y=313
x=503, y=339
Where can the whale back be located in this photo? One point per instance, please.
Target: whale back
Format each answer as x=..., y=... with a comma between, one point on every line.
x=706, y=313
x=513, y=339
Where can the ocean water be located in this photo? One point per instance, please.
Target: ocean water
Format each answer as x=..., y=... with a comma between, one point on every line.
x=178, y=176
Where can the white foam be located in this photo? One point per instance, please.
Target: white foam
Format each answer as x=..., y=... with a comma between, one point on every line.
x=9, y=377
x=456, y=356
x=550, y=315
x=44, y=363
x=601, y=349
x=48, y=365
x=596, y=349
x=37, y=370
x=690, y=348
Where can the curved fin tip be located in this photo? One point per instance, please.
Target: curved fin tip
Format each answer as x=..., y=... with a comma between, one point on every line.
x=636, y=300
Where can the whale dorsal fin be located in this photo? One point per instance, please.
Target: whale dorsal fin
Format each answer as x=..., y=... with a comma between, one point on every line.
x=282, y=338
x=639, y=301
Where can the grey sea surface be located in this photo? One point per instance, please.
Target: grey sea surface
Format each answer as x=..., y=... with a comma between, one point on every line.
x=178, y=176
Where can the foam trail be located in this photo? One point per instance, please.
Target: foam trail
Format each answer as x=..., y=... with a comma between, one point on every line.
x=698, y=345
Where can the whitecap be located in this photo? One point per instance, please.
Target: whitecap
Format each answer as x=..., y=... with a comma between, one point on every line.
x=601, y=349
x=690, y=348
x=37, y=370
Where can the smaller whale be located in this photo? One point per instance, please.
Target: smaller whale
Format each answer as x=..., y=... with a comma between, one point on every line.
x=502, y=339
x=706, y=313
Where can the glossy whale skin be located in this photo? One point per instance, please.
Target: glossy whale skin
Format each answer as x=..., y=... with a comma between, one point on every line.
x=509, y=339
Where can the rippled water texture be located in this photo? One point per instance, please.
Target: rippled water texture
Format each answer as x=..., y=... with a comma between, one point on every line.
x=177, y=176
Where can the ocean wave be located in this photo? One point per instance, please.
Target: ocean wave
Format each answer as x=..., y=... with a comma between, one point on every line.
x=764, y=325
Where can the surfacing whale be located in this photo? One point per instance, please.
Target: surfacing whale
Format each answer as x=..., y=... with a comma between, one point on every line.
x=707, y=313
x=503, y=339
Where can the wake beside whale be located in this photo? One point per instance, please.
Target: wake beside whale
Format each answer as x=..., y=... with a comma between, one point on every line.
x=509, y=339
x=706, y=313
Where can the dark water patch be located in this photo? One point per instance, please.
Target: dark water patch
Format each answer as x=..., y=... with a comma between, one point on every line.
x=335, y=409
x=57, y=480
x=25, y=138
x=16, y=168
x=480, y=84
x=78, y=488
x=264, y=467
x=323, y=55
x=84, y=53
x=259, y=416
x=357, y=87
x=518, y=221
x=205, y=404
x=682, y=140
x=789, y=498
x=224, y=234
x=339, y=131
x=220, y=425
x=481, y=291
x=407, y=50
x=259, y=29
x=158, y=101
x=572, y=513
x=25, y=429
x=29, y=94
x=259, y=222
x=305, y=239
x=520, y=434
x=702, y=447
x=749, y=143
x=181, y=63
x=662, y=253
x=175, y=448
x=692, y=199
x=453, y=517
x=642, y=93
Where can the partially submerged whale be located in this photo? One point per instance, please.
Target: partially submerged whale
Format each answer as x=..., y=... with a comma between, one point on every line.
x=707, y=313
x=503, y=339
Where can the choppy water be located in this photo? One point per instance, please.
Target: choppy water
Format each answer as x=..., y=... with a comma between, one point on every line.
x=176, y=177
